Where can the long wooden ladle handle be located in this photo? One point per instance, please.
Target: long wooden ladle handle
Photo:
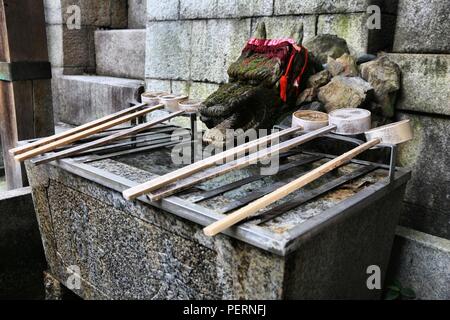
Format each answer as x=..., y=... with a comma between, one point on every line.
x=282, y=192
x=187, y=171
x=64, y=134
x=83, y=134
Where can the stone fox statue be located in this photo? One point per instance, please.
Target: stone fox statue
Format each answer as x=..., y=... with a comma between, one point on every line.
x=264, y=85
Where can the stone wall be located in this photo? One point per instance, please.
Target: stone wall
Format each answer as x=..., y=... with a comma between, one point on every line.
x=422, y=49
x=191, y=43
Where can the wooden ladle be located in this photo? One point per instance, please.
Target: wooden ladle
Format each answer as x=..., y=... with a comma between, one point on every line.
x=394, y=133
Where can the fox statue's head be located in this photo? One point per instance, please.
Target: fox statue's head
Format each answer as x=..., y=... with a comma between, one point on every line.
x=263, y=86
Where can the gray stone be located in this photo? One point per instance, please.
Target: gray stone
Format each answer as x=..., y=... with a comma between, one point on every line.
x=192, y=9
x=353, y=28
x=344, y=66
x=169, y=50
x=162, y=10
x=284, y=27
x=21, y=249
x=158, y=85
x=425, y=82
x=422, y=26
x=137, y=14
x=344, y=92
x=428, y=191
x=326, y=45
x=100, y=13
x=283, y=7
x=384, y=76
x=71, y=48
x=195, y=90
x=86, y=98
x=421, y=262
x=319, y=79
x=120, y=53
x=216, y=45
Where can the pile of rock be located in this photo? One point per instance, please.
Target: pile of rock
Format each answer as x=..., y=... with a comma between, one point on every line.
x=345, y=81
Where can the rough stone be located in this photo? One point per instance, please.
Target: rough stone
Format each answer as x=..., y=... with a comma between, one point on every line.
x=384, y=76
x=307, y=96
x=71, y=48
x=21, y=249
x=283, y=7
x=428, y=192
x=169, y=47
x=326, y=45
x=344, y=92
x=425, y=82
x=216, y=45
x=315, y=106
x=137, y=14
x=158, y=85
x=120, y=53
x=319, y=79
x=344, y=66
x=353, y=28
x=334, y=67
x=86, y=98
x=284, y=27
x=421, y=262
x=100, y=13
x=422, y=26
x=193, y=9
x=195, y=90
x=162, y=10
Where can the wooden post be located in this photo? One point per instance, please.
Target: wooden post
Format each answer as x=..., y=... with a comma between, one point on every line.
x=25, y=89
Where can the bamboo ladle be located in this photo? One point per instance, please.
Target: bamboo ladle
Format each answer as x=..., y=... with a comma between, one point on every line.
x=394, y=133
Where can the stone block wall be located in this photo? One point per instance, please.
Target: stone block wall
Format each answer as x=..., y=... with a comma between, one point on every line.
x=422, y=49
x=73, y=51
x=190, y=43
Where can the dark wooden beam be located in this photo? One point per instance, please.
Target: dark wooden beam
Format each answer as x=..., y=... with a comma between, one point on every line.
x=25, y=102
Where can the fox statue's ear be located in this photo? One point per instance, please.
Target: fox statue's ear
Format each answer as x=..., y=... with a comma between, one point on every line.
x=297, y=34
x=260, y=32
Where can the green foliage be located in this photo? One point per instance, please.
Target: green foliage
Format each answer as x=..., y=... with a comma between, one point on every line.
x=397, y=292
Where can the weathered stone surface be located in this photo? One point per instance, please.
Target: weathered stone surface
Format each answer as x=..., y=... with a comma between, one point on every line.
x=326, y=45
x=422, y=26
x=120, y=53
x=425, y=82
x=158, y=85
x=192, y=9
x=195, y=90
x=217, y=43
x=353, y=28
x=162, y=10
x=71, y=48
x=85, y=98
x=319, y=79
x=137, y=14
x=284, y=27
x=344, y=66
x=283, y=7
x=384, y=76
x=100, y=13
x=344, y=92
x=169, y=50
x=428, y=192
x=21, y=249
x=307, y=96
x=421, y=262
